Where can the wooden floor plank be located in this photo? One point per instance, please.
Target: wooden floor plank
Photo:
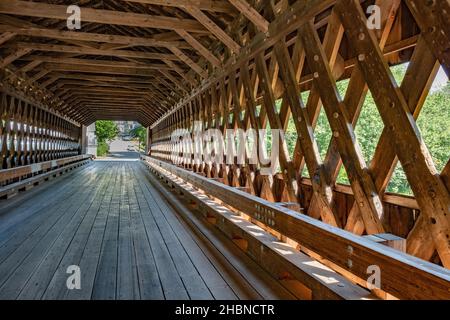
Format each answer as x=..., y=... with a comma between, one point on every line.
x=150, y=286
x=45, y=268
x=39, y=240
x=26, y=211
x=129, y=243
x=265, y=286
x=105, y=284
x=193, y=282
x=91, y=254
x=127, y=277
x=49, y=279
x=171, y=282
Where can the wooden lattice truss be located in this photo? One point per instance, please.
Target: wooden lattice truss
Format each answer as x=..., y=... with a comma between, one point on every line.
x=170, y=63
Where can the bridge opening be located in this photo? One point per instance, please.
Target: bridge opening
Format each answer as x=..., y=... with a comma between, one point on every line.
x=226, y=149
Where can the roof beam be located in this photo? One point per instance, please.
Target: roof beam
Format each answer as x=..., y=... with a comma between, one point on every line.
x=213, y=28
x=199, y=47
x=5, y=36
x=92, y=51
x=53, y=11
x=14, y=56
x=251, y=14
x=194, y=66
x=208, y=5
x=87, y=36
x=104, y=70
x=99, y=63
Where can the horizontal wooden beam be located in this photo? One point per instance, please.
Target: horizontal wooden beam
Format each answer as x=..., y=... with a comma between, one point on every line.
x=53, y=11
x=113, y=79
x=87, y=36
x=208, y=5
x=98, y=63
x=96, y=69
x=93, y=51
x=13, y=173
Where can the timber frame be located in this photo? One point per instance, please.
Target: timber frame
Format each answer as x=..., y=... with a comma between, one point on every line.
x=242, y=64
x=305, y=49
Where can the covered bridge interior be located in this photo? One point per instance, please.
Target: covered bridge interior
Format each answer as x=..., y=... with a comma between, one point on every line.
x=178, y=224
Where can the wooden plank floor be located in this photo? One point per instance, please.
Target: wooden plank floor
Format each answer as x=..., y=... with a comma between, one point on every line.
x=108, y=219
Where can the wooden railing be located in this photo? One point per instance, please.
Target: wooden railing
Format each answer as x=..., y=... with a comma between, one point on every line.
x=15, y=179
x=402, y=275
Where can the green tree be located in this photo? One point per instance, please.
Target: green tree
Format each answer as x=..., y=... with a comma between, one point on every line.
x=105, y=130
x=433, y=122
x=139, y=133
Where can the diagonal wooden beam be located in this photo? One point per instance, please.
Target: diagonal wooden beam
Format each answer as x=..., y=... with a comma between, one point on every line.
x=213, y=28
x=247, y=10
x=194, y=66
x=356, y=91
x=49, y=81
x=38, y=76
x=181, y=72
x=14, y=56
x=362, y=184
x=431, y=193
x=5, y=36
x=199, y=47
x=432, y=18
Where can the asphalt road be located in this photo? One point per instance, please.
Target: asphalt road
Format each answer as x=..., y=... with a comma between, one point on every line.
x=122, y=150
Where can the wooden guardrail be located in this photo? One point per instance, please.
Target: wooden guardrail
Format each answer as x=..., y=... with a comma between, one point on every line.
x=19, y=178
x=402, y=275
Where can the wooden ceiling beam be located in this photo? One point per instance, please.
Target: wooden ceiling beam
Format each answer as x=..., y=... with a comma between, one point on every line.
x=176, y=82
x=113, y=79
x=93, y=51
x=88, y=36
x=213, y=28
x=88, y=83
x=193, y=65
x=208, y=5
x=181, y=72
x=14, y=56
x=5, y=36
x=248, y=11
x=199, y=47
x=98, y=63
x=53, y=11
x=103, y=70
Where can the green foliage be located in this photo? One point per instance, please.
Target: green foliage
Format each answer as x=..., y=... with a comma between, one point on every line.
x=433, y=122
x=102, y=148
x=139, y=133
x=105, y=130
x=434, y=125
